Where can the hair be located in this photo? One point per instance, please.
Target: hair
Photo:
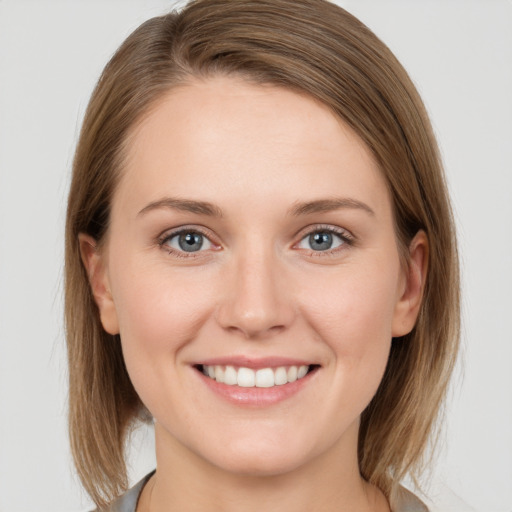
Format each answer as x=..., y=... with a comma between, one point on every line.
x=312, y=47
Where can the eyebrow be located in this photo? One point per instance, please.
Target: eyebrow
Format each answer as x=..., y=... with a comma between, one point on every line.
x=328, y=205
x=185, y=205
x=300, y=208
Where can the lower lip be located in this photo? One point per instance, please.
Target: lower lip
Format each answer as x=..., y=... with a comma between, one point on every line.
x=257, y=397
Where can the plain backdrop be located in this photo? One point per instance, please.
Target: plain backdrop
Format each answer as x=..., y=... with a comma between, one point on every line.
x=459, y=53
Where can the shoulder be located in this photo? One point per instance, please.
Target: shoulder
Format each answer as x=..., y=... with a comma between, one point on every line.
x=405, y=501
x=128, y=501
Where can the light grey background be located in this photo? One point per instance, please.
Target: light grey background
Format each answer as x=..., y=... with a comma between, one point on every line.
x=459, y=52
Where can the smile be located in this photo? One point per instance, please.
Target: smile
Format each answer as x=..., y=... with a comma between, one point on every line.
x=260, y=378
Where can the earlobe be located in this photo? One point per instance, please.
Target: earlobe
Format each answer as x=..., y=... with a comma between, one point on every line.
x=409, y=303
x=94, y=262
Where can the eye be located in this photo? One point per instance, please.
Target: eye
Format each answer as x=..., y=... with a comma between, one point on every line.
x=187, y=241
x=322, y=240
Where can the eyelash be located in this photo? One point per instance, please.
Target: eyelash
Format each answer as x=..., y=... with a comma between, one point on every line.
x=346, y=237
x=167, y=236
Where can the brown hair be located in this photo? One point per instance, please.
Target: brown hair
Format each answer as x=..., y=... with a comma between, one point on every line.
x=317, y=48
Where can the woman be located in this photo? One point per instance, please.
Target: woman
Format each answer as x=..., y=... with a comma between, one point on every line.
x=261, y=258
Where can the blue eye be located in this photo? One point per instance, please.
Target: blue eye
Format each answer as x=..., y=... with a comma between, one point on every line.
x=188, y=241
x=321, y=240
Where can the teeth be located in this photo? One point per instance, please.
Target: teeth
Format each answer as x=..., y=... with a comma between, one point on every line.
x=249, y=378
x=265, y=378
x=219, y=373
x=245, y=378
x=230, y=376
x=301, y=372
x=280, y=376
x=292, y=374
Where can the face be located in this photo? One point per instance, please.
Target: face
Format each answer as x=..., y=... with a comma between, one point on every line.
x=252, y=271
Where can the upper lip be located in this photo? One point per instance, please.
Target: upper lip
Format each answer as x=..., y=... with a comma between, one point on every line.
x=254, y=362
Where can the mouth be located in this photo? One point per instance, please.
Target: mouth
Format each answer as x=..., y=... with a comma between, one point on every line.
x=267, y=377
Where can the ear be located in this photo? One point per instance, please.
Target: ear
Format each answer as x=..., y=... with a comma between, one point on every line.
x=409, y=302
x=94, y=262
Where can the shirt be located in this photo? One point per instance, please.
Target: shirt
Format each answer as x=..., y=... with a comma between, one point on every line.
x=406, y=501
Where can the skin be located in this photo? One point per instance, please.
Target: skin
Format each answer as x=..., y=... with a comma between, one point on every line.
x=256, y=289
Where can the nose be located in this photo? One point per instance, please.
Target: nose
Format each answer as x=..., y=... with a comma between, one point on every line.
x=256, y=300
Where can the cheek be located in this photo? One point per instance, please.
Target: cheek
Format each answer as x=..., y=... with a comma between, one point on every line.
x=158, y=314
x=352, y=305
x=352, y=313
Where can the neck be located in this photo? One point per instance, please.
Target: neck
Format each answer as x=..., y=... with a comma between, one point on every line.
x=329, y=483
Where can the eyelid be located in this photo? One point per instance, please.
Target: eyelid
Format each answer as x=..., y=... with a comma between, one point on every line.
x=168, y=234
x=313, y=228
x=348, y=238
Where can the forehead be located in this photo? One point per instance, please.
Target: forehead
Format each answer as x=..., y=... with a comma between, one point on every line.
x=226, y=136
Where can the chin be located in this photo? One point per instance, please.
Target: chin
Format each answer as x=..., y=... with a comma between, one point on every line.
x=255, y=465
x=260, y=458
